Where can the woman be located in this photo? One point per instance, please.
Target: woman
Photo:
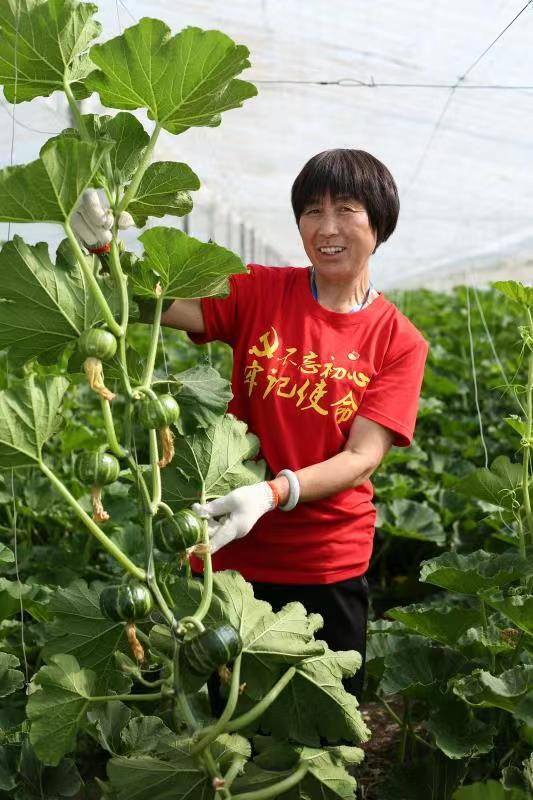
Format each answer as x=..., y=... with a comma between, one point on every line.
x=327, y=372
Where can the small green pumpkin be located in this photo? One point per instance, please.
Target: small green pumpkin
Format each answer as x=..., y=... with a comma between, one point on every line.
x=205, y=652
x=157, y=413
x=126, y=602
x=180, y=532
x=97, y=343
x=96, y=469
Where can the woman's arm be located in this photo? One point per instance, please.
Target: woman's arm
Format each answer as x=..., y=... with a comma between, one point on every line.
x=367, y=445
x=186, y=315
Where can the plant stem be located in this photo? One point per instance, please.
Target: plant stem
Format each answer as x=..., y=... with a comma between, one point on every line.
x=255, y=712
x=141, y=484
x=152, y=352
x=220, y=726
x=111, y=548
x=485, y=625
x=405, y=730
x=399, y=722
x=130, y=192
x=121, y=282
x=111, y=323
x=528, y=443
x=150, y=572
x=112, y=440
x=277, y=788
x=207, y=593
x=125, y=698
x=156, y=472
x=80, y=124
x=233, y=770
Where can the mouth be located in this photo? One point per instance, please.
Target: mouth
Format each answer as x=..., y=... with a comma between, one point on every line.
x=331, y=252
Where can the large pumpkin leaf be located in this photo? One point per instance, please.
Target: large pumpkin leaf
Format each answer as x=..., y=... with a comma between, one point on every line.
x=326, y=778
x=203, y=396
x=28, y=418
x=51, y=39
x=11, y=678
x=488, y=790
x=183, y=266
x=474, y=572
x=457, y=732
x=315, y=705
x=80, y=630
x=412, y=520
x=497, y=485
x=48, y=189
x=515, y=291
x=143, y=776
x=163, y=190
x=215, y=460
x=480, y=688
x=517, y=606
x=45, y=306
x=419, y=668
x=57, y=707
x=271, y=641
x=441, y=623
x=183, y=80
x=127, y=137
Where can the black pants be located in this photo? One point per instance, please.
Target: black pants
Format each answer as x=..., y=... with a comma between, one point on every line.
x=344, y=609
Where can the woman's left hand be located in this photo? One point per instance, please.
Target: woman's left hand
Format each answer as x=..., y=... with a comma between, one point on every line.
x=239, y=511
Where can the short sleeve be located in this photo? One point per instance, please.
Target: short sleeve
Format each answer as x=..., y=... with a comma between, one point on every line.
x=391, y=398
x=222, y=314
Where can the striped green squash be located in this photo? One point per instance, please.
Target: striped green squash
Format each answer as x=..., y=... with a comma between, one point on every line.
x=126, y=602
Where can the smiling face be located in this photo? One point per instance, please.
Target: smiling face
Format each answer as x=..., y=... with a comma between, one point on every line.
x=340, y=222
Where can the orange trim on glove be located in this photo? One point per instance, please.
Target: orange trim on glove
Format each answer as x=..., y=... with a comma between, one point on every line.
x=274, y=492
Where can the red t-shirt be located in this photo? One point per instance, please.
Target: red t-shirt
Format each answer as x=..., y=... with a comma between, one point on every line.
x=300, y=375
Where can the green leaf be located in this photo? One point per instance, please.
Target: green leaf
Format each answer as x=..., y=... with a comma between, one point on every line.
x=163, y=190
x=186, y=267
x=110, y=719
x=48, y=189
x=28, y=418
x=517, y=606
x=474, y=572
x=419, y=667
x=457, y=732
x=203, y=396
x=10, y=679
x=6, y=555
x=480, y=688
x=147, y=735
x=57, y=707
x=487, y=790
x=50, y=40
x=443, y=623
x=80, y=630
x=127, y=137
x=183, y=80
x=141, y=777
x=497, y=485
x=46, y=307
x=516, y=291
x=271, y=641
x=315, y=705
x=326, y=779
x=227, y=746
x=217, y=460
x=414, y=520
x=39, y=781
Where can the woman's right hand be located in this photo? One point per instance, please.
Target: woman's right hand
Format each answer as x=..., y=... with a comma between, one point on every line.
x=92, y=223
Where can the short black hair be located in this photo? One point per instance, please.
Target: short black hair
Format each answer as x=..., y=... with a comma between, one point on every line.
x=350, y=173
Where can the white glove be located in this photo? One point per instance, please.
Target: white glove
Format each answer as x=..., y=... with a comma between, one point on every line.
x=243, y=508
x=92, y=223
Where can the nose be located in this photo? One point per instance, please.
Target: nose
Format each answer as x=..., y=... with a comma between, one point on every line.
x=329, y=224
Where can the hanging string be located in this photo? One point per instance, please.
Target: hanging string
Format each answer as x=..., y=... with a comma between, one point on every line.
x=460, y=80
x=474, y=371
x=14, y=524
